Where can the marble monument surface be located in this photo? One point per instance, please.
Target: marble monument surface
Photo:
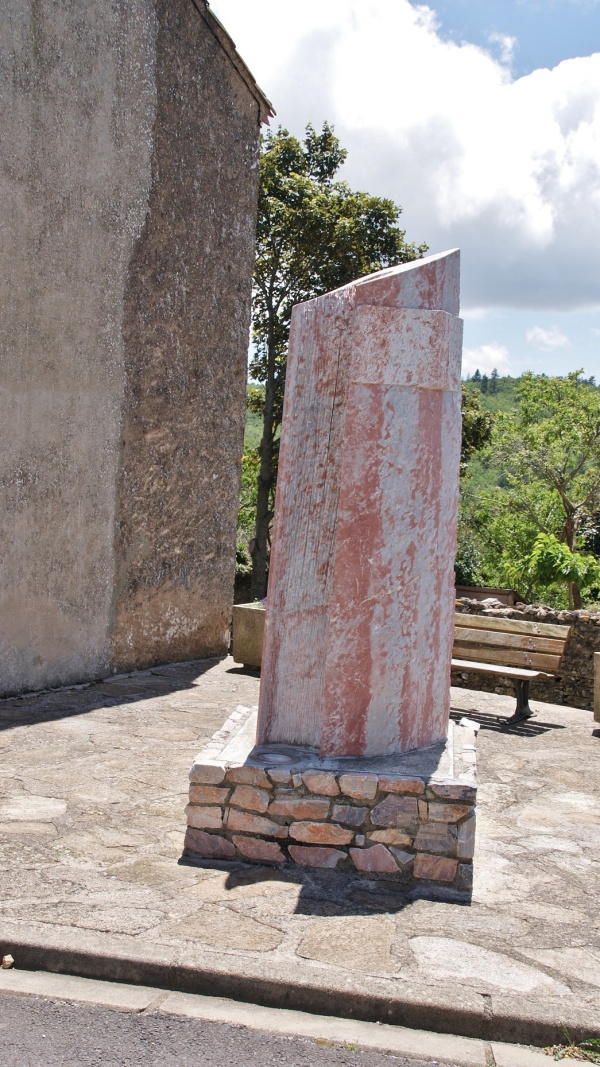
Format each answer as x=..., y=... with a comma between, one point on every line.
x=351, y=761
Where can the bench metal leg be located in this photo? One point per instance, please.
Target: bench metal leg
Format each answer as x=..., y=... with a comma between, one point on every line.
x=522, y=710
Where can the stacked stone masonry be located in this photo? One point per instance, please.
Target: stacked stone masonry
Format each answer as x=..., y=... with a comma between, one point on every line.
x=417, y=831
x=575, y=686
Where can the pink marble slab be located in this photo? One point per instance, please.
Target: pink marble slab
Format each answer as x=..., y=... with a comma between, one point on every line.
x=360, y=615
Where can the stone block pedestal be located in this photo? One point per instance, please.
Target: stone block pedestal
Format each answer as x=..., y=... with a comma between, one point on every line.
x=248, y=633
x=409, y=817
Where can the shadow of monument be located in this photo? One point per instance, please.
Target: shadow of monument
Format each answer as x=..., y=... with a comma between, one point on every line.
x=331, y=893
x=52, y=704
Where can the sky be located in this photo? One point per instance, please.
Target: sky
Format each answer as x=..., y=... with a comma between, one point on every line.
x=482, y=120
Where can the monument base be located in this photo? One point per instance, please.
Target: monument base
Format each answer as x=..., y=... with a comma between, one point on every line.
x=410, y=817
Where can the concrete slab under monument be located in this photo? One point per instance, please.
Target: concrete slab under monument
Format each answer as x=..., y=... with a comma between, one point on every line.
x=353, y=761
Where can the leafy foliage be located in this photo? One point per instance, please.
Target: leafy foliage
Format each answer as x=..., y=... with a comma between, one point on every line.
x=540, y=477
x=587, y=1051
x=247, y=512
x=314, y=234
x=477, y=426
x=552, y=561
x=468, y=562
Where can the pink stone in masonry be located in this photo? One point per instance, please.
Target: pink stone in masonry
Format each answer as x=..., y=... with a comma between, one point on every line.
x=208, y=845
x=401, y=812
x=259, y=851
x=466, y=839
x=254, y=824
x=404, y=786
x=376, y=859
x=207, y=773
x=349, y=814
x=359, y=786
x=464, y=877
x=316, y=857
x=321, y=782
x=366, y=506
x=321, y=833
x=207, y=794
x=300, y=808
x=249, y=798
x=204, y=818
x=248, y=776
x=448, y=812
x=453, y=791
x=438, y=837
x=390, y=837
x=404, y=859
x=278, y=776
x=435, y=868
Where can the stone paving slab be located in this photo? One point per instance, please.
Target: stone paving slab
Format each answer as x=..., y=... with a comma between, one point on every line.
x=92, y=797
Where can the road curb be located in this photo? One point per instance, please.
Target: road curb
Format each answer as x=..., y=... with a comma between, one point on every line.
x=440, y=1014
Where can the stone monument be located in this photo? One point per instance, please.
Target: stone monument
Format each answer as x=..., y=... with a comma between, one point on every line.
x=128, y=193
x=353, y=762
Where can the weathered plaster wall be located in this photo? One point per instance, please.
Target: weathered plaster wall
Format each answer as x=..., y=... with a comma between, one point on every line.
x=77, y=103
x=575, y=686
x=127, y=200
x=186, y=337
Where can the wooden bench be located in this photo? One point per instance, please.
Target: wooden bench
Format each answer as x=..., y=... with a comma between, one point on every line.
x=509, y=648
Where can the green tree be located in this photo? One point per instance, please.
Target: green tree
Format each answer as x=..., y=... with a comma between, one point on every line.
x=551, y=561
x=549, y=454
x=477, y=426
x=314, y=234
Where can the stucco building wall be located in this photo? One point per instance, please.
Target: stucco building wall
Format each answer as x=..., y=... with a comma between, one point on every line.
x=127, y=209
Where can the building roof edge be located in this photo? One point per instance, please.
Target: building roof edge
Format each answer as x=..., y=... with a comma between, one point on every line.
x=266, y=109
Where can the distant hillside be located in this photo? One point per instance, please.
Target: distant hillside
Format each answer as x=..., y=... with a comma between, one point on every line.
x=496, y=394
x=253, y=431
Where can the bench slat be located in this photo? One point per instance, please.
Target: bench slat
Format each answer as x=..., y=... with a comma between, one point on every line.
x=514, y=626
x=525, y=642
x=490, y=668
x=508, y=657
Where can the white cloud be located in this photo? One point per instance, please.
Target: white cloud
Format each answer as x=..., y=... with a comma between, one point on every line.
x=547, y=340
x=506, y=46
x=507, y=169
x=485, y=358
x=476, y=314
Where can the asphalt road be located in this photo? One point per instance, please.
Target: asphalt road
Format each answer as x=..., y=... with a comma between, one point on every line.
x=35, y=1032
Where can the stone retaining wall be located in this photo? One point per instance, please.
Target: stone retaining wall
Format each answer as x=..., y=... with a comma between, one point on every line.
x=387, y=825
x=575, y=686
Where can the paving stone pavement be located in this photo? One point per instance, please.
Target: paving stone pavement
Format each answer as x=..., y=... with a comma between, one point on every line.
x=92, y=796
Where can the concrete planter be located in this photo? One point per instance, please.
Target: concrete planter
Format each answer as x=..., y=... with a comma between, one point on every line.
x=248, y=632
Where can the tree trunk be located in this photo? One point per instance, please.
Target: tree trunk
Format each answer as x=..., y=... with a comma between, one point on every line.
x=569, y=536
x=263, y=516
x=575, y=601
x=260, y=552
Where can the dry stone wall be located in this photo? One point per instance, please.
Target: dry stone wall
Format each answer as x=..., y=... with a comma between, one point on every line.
x=418, y=830
x=575, y=686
